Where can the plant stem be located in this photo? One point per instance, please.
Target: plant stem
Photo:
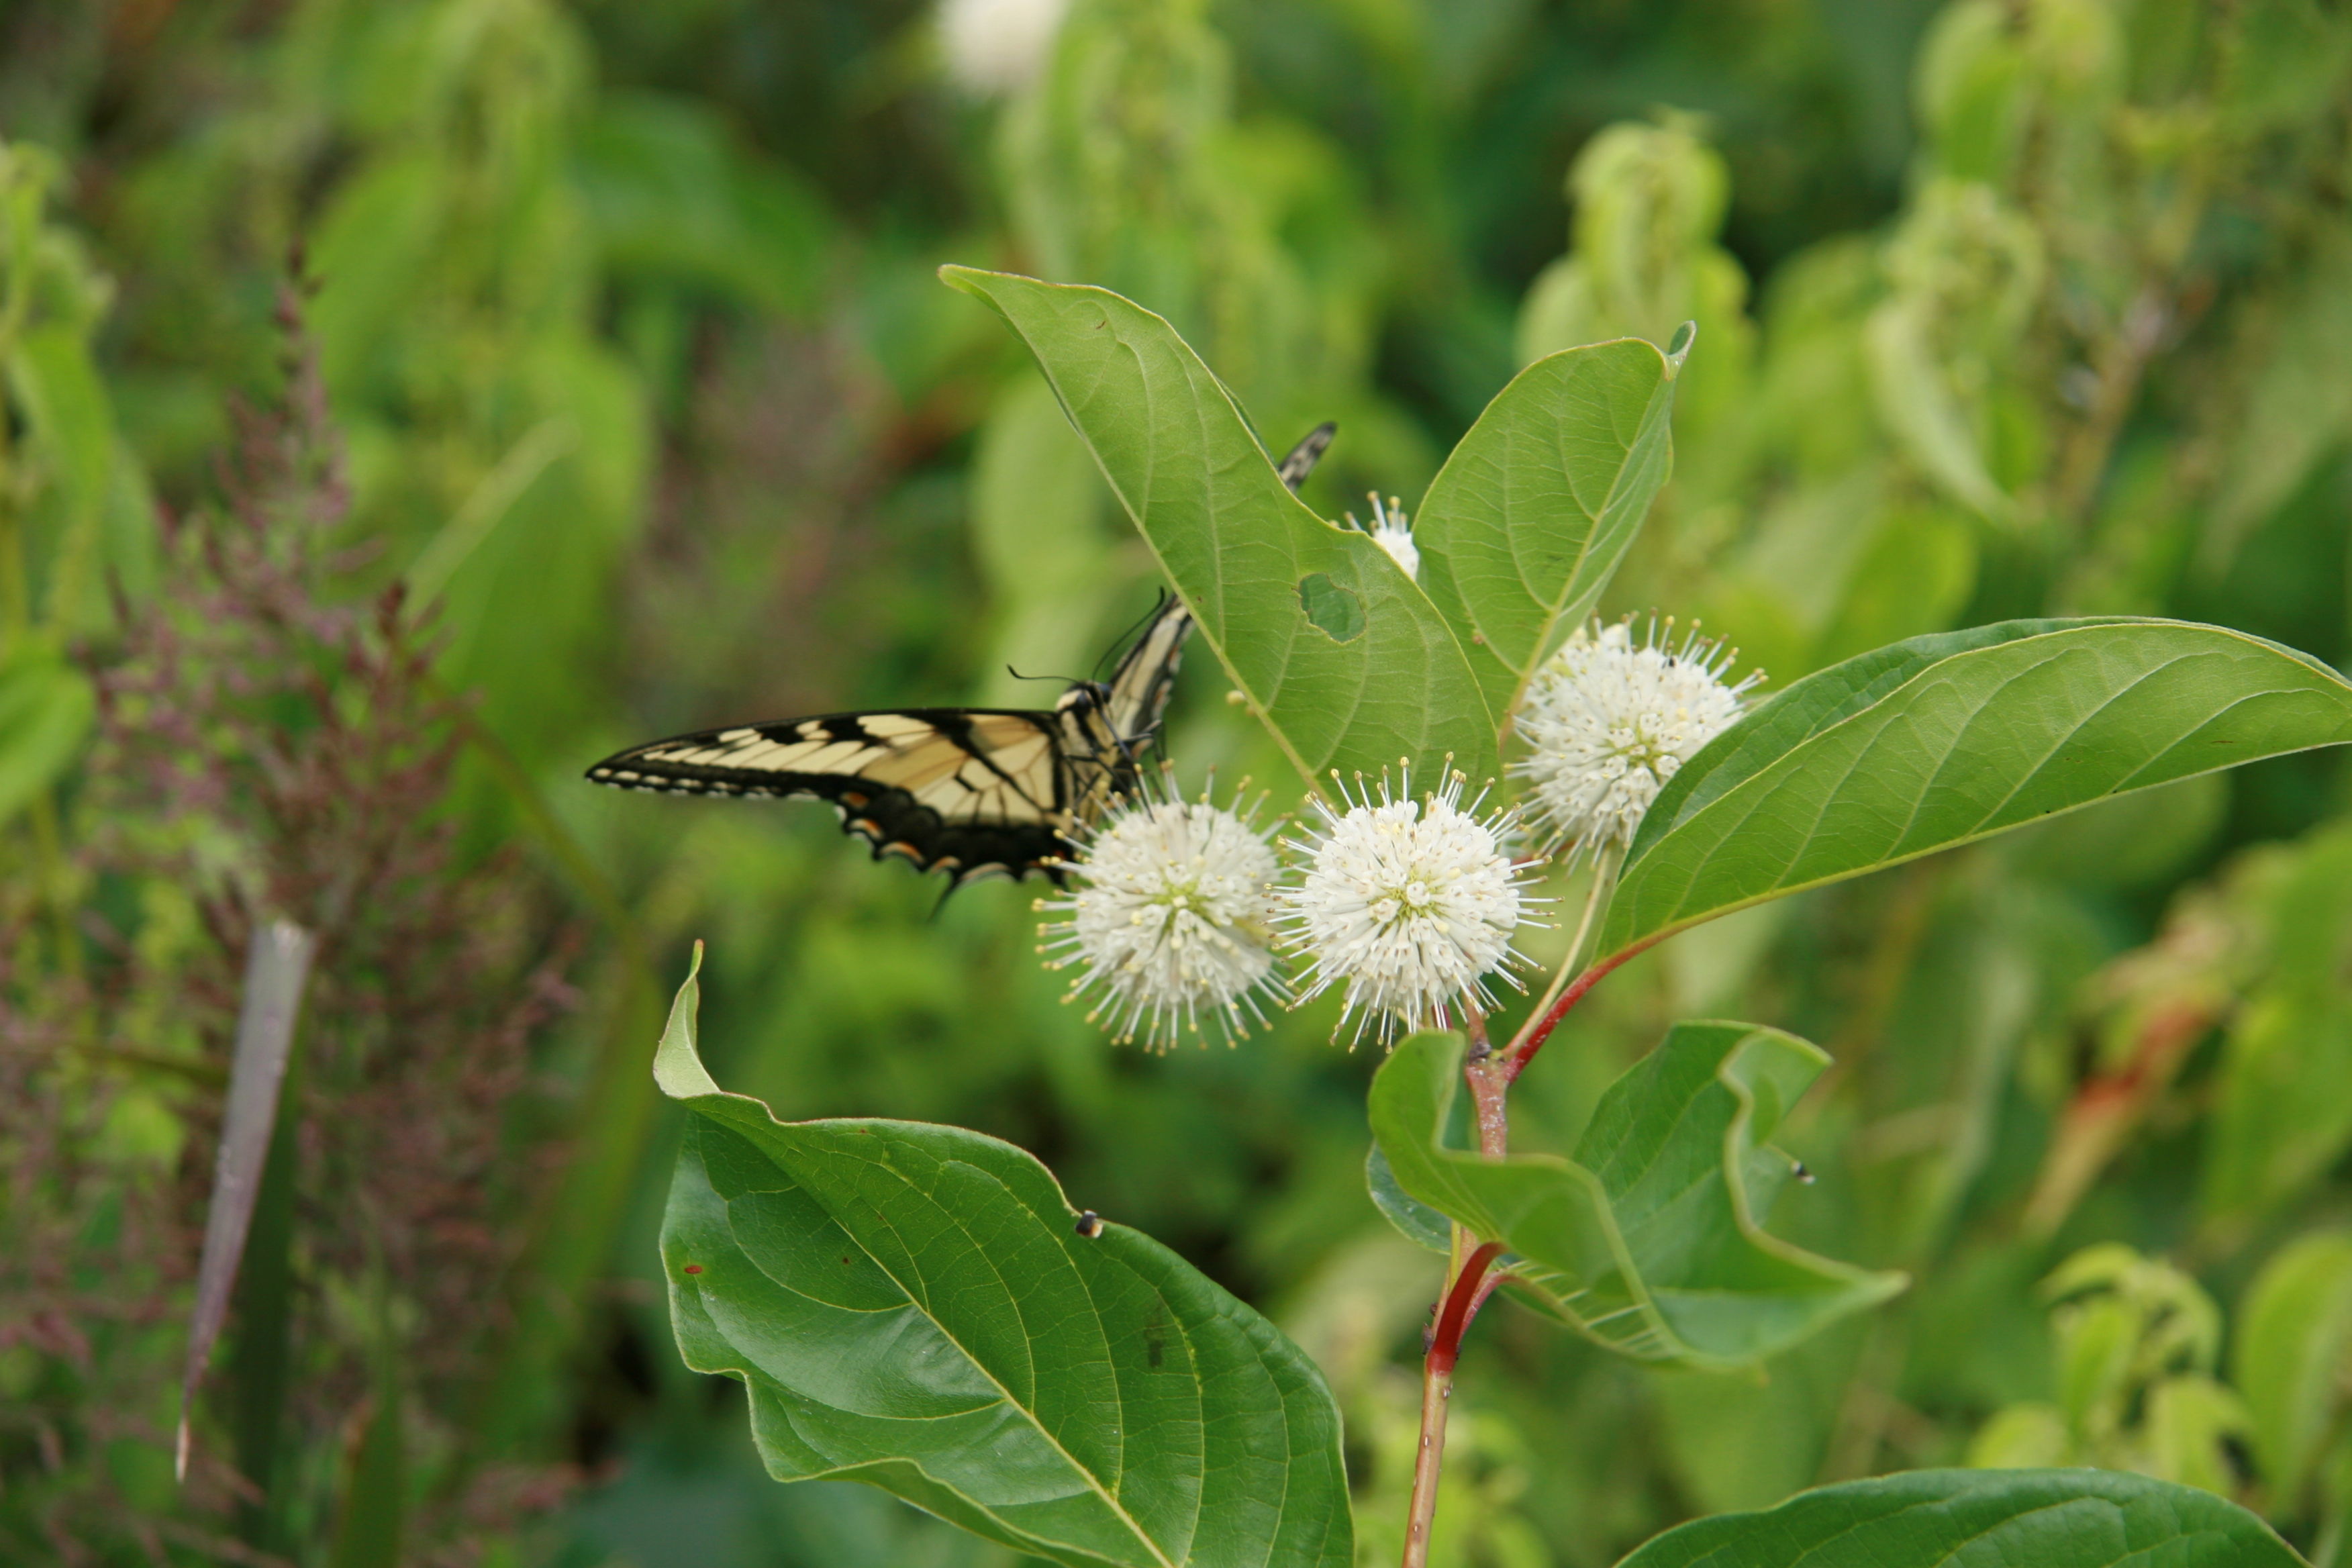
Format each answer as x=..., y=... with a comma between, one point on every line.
x=1490, y=1091
x=1488, y=1075
x=1436, y=1396
x=1550, y=1009
x=1539, y=1027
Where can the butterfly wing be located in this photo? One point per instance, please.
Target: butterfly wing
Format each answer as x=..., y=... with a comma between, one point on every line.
x=1303, y=457
x=1139, y=690
x=972, y=792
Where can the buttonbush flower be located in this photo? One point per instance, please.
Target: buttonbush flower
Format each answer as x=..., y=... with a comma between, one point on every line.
x=998, y=45
x=1173, y=919
x=1607, y=721
x=1393, y=532
x=1410, y=904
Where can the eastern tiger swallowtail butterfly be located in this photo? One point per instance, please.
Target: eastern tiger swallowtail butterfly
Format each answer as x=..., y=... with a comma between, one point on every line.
x=973, y=792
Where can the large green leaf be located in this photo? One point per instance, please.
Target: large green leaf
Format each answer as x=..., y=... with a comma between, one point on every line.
x=1345, y=659
x=2291, y=1353
x=47, y=707
x=1945, y=739
x=1648, y=1240
x=1522, y=528
x=910, y=1306
x=2282, y=1103
x=1982, y=1519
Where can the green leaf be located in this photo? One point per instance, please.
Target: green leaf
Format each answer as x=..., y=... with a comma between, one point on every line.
x=2293, y=1349
x=1962, y=1519
x=1522, y=528
x=66, y=400
x=372, y=1520
x=1415, y=1220
x=1342, y=657
x=909, y=1306
x=46, y=707
x=1945, y=738
x=1648, y=1240
x=2282, y=1112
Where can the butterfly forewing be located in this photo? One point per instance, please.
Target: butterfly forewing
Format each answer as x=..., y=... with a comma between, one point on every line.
x=972, y=792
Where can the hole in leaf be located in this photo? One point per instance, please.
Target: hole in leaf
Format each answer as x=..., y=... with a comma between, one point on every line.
x=1334, y=611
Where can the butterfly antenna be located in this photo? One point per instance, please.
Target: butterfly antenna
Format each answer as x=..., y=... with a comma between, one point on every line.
x=1158, y=603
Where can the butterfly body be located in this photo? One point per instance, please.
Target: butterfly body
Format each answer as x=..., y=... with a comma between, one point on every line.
x=972, y=792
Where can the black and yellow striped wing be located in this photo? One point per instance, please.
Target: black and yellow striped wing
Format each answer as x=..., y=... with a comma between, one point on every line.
x=972, y=792
x=1136, y=698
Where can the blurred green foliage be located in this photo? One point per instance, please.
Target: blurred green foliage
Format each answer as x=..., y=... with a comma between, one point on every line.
x=638, y=383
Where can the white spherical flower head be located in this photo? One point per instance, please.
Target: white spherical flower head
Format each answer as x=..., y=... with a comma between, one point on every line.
x=1410, y=904
x=1392, y=530
x=1173, y=921
x=998, y=45
x=1607, y=721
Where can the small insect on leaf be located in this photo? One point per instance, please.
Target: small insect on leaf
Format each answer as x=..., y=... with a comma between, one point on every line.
x=694, y=1268
x=1804, y=1173
x=1089, y=1224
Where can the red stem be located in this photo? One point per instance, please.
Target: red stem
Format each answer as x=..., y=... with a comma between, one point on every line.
x=1438, y=1397
x=1445, y=1344
x=1489, y=1078
x=1531, y=1038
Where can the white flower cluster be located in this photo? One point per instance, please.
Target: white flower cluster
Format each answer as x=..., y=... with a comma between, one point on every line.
x=1175, y=917
x=1409, y=904
x=1406, y=906
x=1607, y=721
x=998, y=45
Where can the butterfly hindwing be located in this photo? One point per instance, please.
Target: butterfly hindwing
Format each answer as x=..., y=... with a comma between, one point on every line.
x=973, y=792
x=1293, y=469
x=1137, y=696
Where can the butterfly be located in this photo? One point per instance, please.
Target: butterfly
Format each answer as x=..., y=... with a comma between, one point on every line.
x=972, y=792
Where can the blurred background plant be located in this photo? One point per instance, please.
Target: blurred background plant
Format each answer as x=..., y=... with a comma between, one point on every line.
x=596, y=386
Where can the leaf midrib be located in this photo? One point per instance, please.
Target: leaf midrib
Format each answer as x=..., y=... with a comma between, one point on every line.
x=1215, y=638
